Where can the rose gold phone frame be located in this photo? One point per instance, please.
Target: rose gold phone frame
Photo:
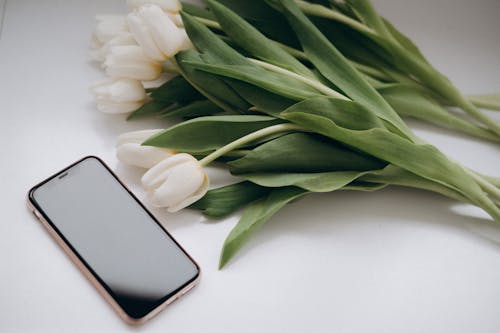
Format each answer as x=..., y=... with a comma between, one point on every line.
x=84, y=268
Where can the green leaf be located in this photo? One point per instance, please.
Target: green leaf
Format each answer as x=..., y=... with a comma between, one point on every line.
x=254, y=217
x=335, y=67
x=303, y=152
x=209, y=85
x=366, y=13
x=486, y=101
x=423, y=160
x=175, y=90
x=197, y=11
x=212, y=48
x=149, y=109
x=313, y=182
x=209, y=133
x=193, y=109
x=263, y=100
x=265, y=18
x=408, y=101
x=404, y=41
x=394, y=175
x=225, y=200
x=251, y=40
x=216, y=52
x=274, y=83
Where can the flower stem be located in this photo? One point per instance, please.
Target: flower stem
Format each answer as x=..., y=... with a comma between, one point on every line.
x=312, y=83
x=322, y=11
x=486, y=185
x=249, y=138
x=209, y=23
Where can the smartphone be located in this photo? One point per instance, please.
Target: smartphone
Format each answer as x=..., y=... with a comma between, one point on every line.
x=117, y=243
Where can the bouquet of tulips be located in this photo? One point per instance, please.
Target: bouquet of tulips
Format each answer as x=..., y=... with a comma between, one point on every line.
x=294, y=97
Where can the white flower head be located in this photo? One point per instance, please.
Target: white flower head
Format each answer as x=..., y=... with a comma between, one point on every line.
x=176, y=182
x=171, y=6
x=108, y=27
x=118, y=95
x=156, y=33
x=99, y=53
x=129, y=61
x=129, y=149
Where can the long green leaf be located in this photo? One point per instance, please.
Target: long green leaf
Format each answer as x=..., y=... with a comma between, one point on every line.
x=209, y=85
x=408, y=101
x=275, y=83
x=175, y=90
x=313, y=182
x=265, y=18
x=486, y=101
x=225, y=200
x=367, y=14
x=193, y=109
x=335, y=67
x=254, y=217
x=209, y=133
x=149, y=109
x=423, y=160
x=303, y=152
x=250, y=39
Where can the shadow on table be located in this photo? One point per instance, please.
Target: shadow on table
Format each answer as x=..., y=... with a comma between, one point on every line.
x=321, y=215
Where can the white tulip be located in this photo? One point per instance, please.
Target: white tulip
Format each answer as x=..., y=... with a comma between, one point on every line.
x=156, y=33
x=176, y=182
x=129, y=149
x=129, y=61
x=177, y=19
x=118, y=95
x=172, y=6
x=108, y=27
x=99, y=52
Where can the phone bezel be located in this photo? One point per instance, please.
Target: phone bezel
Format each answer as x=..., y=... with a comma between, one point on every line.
x=87, y=270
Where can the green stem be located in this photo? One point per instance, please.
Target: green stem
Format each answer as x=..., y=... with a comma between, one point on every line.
x=485, y=185
x=490, y=102
x=169, y=67
x=249, y=138
x=371, y=71
x=312, y=83
x=209, y=23
x=422, y=70
x=322, y=11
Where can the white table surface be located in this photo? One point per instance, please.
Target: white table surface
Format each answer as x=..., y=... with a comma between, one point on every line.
x=399, y=260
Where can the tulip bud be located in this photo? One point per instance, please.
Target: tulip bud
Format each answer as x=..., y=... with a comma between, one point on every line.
x=171, y=6
x=100, y=52
x=129, y=61
x=156, y=33
x=129, y=149
x=108, y=27
x=176, y=182
x=118, y=95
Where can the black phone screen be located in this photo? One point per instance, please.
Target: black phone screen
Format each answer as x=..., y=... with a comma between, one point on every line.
x=118, y=240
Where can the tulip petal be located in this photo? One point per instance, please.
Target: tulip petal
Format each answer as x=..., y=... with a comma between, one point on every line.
x=176, y=182
x=129, y=61
x=142, y=156
x=165, y=33
x=156, y=174
x=117, y=108
x=143, y=37
x=118, y=95
x=202, y=190
x=173, y=6
x=136, y=136
x=181, y=181
x=108, y=26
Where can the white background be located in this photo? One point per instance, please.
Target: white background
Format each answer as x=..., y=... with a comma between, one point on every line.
x=399, y=260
